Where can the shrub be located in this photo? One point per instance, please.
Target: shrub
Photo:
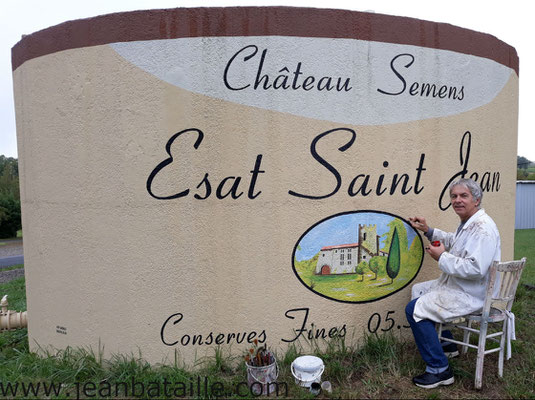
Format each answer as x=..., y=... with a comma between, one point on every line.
x=10, y=221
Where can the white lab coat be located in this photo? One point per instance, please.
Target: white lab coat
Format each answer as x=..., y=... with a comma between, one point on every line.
x=461, y=288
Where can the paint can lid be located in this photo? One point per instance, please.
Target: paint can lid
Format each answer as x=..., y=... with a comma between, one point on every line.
x=310, y=364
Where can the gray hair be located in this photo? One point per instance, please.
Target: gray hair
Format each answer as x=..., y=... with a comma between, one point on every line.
x=472, y=186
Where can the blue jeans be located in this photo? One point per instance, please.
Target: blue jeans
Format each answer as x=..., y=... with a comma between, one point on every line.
x=426, y=338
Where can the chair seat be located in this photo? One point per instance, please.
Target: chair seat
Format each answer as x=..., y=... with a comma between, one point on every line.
x=495, y=315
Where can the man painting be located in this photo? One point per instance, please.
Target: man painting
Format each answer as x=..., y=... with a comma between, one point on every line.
x=464, y=257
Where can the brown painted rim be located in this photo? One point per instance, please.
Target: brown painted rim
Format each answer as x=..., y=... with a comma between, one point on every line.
x=260, y=21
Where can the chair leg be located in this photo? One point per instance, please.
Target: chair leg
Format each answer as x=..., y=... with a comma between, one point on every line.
x=502, y=348
x=439, y=330
x=466, y=336
x=481, y=354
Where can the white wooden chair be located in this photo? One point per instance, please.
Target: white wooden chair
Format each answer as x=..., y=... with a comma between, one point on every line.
x=501, y=289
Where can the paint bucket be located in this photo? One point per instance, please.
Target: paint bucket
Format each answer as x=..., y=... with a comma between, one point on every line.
x=307, y=369
x=259, y=379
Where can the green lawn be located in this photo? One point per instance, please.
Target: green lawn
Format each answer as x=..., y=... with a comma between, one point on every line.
x=525, y=247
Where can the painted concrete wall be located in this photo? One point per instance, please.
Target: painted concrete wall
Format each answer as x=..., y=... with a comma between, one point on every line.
x=180, y=169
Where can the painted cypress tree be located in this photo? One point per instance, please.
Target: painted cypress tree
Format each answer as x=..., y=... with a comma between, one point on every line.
x=393, y=263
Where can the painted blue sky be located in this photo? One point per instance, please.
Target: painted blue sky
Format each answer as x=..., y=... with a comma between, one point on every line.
x=342, y=230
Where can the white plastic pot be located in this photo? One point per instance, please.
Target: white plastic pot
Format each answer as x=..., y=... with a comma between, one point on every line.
x=307, y=369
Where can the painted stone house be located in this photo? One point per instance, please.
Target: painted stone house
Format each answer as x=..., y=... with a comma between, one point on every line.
x=344, y=258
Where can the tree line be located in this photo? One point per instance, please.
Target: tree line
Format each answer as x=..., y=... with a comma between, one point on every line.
x=10, y=221
x=525, y=169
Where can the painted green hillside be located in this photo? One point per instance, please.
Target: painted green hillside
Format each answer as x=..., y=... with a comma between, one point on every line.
x=373, y=280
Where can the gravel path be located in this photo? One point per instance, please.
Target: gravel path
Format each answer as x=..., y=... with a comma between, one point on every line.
x=6, y=276
x=10, y=248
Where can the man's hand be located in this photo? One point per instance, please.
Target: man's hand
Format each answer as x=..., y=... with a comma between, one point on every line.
x=435, y=251
x=419, y=223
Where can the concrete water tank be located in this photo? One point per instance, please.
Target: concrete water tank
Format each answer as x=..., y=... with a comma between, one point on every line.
x=211, y=176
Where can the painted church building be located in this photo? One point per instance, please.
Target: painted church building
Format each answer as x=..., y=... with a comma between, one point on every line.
x=344, y=258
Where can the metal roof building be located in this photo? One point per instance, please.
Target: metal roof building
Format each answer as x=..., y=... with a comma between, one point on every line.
x=525, y=205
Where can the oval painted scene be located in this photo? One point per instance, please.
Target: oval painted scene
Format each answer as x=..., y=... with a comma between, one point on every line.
x=358, y=256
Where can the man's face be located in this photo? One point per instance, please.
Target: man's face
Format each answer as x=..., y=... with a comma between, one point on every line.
x=463, y=202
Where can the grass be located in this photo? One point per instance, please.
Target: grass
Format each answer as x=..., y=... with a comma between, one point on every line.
x=17, y=266
x=525, y=247
x=380, y=367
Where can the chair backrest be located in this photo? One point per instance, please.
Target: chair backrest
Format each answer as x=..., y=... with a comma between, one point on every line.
x=502, y=284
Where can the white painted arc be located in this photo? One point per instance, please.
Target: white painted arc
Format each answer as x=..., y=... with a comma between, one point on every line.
x=199, y=65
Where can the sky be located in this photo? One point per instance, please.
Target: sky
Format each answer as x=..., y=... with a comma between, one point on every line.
x=511, y=22
x=343, y=229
